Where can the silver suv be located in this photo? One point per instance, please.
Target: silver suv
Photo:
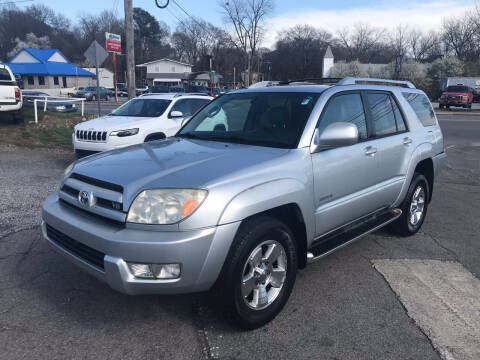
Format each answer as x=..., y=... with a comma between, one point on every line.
x=255, y=185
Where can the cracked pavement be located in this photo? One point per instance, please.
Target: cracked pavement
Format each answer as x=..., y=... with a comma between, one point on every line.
x=340, y=308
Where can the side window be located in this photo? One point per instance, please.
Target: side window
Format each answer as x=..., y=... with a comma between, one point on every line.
x=181, y=105
x=345, y=108
x=196, y=104
x=398, y=117
x=381, y=110
x=422, y=107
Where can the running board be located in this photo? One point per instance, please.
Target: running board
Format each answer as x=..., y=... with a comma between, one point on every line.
x=339, y=238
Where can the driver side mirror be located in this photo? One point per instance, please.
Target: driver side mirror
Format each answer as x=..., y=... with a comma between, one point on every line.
x=176, y=114
x=335, y=135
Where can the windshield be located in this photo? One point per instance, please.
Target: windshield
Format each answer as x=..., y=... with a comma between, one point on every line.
x=89, y=88
x=142, y=107
x=263, y=119
x=459, y=89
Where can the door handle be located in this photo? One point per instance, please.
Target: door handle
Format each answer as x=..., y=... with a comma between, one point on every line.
x=370, y=151
x=407, y=141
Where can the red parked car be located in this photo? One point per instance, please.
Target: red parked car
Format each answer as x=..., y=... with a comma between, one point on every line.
x=457, y=95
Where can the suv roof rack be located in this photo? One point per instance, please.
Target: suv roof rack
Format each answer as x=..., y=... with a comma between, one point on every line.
x=373, y=81
x=311, y=81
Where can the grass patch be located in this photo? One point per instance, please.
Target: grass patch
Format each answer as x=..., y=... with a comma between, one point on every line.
x=53, y=129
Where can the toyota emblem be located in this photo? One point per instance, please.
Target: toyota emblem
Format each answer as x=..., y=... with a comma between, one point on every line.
x=84, y=197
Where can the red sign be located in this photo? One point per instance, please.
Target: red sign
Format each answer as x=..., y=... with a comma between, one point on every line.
x=113, y=42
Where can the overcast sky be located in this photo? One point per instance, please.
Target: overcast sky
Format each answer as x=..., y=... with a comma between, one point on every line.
x=331, y=15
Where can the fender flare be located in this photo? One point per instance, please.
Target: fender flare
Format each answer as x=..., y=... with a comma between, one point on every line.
x=267, y=196
x=156, y=136
x=421, y=152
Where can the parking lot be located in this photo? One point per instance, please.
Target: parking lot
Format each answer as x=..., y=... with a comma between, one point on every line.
x=341, y=306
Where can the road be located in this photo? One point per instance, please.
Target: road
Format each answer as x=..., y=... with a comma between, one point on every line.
x=342, y=307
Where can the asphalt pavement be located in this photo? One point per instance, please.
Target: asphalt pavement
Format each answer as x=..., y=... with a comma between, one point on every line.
x=342, y=307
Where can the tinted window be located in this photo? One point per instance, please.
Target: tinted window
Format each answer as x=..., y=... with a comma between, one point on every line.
x=142, y=107
x=398, y=117
x=422, y=107
x=189, y=106
x=5, y=75
x=459, y=89
x=345, y=108
x=263, y=119
x=382, y=113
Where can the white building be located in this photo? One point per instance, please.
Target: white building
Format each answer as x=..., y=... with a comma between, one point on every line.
x=166, y=72
x=105, y=77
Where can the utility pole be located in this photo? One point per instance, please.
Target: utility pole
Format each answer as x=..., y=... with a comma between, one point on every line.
x=130, y=50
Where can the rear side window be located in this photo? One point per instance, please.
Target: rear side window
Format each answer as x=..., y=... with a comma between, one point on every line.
x=381, y=110
x=5, y=75
x=345, y=108
x=398, y=117
x=422, y=107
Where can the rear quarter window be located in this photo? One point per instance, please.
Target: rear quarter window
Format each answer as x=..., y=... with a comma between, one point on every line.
x=422, y=107
x=5, y=75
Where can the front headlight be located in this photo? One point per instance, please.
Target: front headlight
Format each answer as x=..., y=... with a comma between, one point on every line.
x=165, y=206
x=123, y=133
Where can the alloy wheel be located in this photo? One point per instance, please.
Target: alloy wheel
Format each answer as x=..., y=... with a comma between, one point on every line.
x=264, y=274
x=417, y=206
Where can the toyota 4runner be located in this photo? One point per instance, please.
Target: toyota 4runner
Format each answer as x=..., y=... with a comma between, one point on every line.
x=255, y=185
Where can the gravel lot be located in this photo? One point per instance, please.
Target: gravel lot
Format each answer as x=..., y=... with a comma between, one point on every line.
x=341, y=307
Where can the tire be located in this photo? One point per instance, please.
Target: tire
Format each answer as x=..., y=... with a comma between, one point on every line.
x=406, y=224
x=107, y=98
x=441, y=106
x=256, y=239
x=19, y=117
x=448, y=107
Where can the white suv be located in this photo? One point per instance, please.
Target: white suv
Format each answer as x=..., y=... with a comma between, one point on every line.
x=10, y=96
x=144, y=118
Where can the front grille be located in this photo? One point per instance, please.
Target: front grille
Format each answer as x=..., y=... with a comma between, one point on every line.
x=83, y=251
x=85, y=135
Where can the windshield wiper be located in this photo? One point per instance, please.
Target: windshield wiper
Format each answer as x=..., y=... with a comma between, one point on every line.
x=235, y=139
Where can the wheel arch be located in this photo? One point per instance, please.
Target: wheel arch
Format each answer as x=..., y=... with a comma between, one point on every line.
x=155, y=136
x=425, y=167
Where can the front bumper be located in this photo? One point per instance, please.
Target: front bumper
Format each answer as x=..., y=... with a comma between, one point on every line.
x=112, y=143
x=201, y=252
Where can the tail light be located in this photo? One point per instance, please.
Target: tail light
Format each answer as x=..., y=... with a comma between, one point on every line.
x=18, y=96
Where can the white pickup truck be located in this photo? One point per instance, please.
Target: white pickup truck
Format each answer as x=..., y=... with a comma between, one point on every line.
x=11, y=103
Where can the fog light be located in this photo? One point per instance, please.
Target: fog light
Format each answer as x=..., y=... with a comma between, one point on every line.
x=166, y=271
x=142, y=271
x=155, y=271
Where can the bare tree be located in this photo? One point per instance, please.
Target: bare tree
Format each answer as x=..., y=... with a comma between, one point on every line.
x=247, y=18
x=360, y=42
x=399, y=40
x=424, y=46
x=459, y=36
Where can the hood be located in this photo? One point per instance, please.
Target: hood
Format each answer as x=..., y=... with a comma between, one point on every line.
x=174, y=162
x=111, y=123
